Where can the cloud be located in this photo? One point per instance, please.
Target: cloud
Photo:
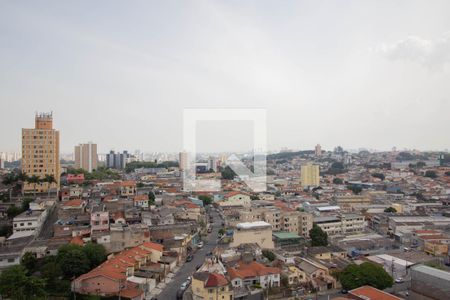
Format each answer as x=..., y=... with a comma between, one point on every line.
x=434, y=54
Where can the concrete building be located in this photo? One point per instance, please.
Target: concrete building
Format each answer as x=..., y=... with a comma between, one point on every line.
x=430, y=282
x=99, y=219
x=30, y=221
x=351, y=203
x=183, y=160
x=119, y=275
x=318, y=150
x=310, y=175
x=343, y=224
x=245, y=274
x=40, y=153
x=86, y=156
x=117, y=160
x=253, y=232
x=289, y=221
x=211, y=286
x=212, y=164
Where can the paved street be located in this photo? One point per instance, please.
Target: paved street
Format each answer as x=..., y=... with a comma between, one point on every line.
x=170, y=290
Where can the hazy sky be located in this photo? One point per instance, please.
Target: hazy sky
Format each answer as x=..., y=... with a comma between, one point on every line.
x=370, y=74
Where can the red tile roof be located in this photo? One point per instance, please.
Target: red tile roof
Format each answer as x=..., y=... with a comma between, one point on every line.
x=154, y=246
x=131, y=292
x=215, y=280
x=252, y=269
x=73, y=203
x=372, y=293
x=77, y=240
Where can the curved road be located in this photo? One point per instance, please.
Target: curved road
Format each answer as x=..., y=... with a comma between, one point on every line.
x=210, y=242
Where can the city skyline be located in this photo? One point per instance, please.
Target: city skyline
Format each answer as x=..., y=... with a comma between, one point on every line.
x=124, y=84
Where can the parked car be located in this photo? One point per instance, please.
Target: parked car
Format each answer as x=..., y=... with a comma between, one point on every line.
x=200, y=244
x=399, y=280
x=184, y=285
x=189, y=258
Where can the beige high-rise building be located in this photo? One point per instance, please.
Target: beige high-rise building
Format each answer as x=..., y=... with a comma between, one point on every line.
x=310, y=175
x=184, y=156
x=86, y=156
x=40, y=153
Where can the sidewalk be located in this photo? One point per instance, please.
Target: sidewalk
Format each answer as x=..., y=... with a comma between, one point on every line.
x=160, y=286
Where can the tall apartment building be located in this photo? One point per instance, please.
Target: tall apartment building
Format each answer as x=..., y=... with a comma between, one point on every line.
x=318, y=150
x=117, y=160
x=183, y=159
x=86, y=156
x=212, y=164
x=310, y=175
x=40, y=153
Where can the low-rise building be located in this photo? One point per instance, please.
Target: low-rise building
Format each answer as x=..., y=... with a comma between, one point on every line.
x=211, y=286
x=343, y=224
x=245, y=274
x=29, y=221
x=253, y=232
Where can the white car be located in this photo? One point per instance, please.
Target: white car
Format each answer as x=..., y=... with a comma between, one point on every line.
x=399, y=280
x=184, y=285
x=200, y=245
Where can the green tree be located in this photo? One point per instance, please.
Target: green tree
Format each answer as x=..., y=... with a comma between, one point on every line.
x=228, y=173
x=34, y=288
x=338, y=181
x=29, y=261
x=390, y=210
x=15, y=284
x=379, y=175
x=13, y=211
x=51, y=273
x=269, y=255
x=151, y=197
x=318, y=236
x=95, y=253
x=205, y=199
x=34, y=180
x=356, y=189
x=221, y=231
x=5, y=230
x=430, y=174
x=26, y=204
x=354, y=276
x=10, y=181
x=49, y=179
x=421, y=164
x=73, y=260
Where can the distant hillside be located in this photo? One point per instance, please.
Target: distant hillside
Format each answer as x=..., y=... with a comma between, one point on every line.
x=289, y=155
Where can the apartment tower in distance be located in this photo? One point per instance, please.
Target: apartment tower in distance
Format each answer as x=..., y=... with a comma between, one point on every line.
x=310, y=175
x=183, y=160
x=86, y=156
x=40, y=153
x=318, y=150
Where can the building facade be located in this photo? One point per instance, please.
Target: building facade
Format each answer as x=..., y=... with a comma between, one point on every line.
x=253, y=232
x=310, y=175
x=86, y=156
x=40, y=153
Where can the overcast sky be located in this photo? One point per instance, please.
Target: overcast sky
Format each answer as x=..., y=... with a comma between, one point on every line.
x=372, y=74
